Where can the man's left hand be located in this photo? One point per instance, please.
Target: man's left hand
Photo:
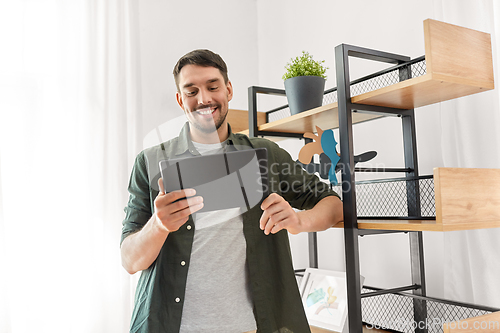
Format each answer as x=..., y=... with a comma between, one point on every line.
x=279, y=215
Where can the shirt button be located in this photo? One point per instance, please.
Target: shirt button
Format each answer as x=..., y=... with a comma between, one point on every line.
x=188, y=227
x=183, y=263
x=177, y=300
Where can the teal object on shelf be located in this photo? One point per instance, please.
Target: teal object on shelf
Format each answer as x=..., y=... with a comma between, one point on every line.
x=329, y=146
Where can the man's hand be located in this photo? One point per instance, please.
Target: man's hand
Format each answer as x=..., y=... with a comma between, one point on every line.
x=171, y=214
x=278, y=215
x=141, y=249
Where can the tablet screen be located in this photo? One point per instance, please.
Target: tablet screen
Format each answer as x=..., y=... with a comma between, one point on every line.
x=228, y=180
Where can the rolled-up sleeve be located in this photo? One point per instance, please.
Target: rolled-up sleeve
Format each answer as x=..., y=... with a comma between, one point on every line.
x=138, y=210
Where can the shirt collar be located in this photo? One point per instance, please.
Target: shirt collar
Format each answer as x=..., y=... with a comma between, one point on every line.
x=185, y=143
x=234, y=140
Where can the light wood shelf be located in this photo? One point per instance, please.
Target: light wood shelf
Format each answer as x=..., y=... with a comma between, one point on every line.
x=238, y=119
x=420, y=91
x=488, y=323
x=418, y=225
x=397, y=225
x=325, y=116
x=458, y=63
x=465, y=199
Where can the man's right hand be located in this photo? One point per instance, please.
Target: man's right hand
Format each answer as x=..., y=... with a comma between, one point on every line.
x=171, y=214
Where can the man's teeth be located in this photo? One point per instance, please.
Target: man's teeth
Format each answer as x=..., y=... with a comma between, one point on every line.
x=206, y=111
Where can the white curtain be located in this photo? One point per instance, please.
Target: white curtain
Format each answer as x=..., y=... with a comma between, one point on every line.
x=69, y=131
x=470, y=138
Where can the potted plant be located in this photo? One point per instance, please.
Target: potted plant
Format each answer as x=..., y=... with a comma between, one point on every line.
x=304, y=83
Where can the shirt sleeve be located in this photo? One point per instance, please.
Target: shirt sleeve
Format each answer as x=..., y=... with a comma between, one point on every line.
x=138, y=209
x=300, y=188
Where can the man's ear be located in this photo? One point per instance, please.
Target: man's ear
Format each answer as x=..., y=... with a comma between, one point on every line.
x=178, y=97
x=229, y=87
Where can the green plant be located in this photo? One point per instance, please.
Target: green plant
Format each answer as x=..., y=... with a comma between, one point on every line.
x=304, y=65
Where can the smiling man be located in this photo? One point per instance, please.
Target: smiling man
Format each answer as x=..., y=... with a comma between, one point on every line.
x=228, y=270
x=204, y=94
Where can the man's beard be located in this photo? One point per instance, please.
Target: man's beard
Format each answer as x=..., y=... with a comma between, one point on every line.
x=217, y=122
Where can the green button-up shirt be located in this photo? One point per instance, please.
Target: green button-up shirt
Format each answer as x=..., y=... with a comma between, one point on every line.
x=161, y=288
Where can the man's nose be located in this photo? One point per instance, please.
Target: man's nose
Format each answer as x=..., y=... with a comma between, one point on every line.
x=204, y=97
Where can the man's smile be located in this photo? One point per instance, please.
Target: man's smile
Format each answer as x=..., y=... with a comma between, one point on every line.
x=206, y=111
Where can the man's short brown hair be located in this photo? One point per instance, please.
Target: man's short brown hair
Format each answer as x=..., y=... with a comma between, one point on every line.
x=205, y=58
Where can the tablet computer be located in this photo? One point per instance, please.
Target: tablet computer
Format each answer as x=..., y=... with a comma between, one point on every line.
x=228, y=180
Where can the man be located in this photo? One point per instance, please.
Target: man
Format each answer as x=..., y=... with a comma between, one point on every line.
x=223, y=271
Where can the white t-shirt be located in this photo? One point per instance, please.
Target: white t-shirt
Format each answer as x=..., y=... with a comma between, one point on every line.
x=217, y=296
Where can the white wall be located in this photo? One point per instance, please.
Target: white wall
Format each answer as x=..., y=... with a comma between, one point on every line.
x=170, y=29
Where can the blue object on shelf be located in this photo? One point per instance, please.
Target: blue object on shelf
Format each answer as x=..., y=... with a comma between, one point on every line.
x=329, y=146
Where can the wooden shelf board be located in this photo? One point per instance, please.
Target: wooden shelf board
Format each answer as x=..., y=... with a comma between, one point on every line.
x=462, y=53
x=467, y=198
x=420, y=225
x=325, y=117
x=488, y=323
x=403, y=225
x=471, y=225
x=420, y=91
x=238, y=119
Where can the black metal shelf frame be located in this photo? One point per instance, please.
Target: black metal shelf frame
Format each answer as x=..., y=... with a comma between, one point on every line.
x=362, y=307
x=351, y=234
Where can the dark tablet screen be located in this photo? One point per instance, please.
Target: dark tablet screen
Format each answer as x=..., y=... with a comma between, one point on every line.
x=229, y=180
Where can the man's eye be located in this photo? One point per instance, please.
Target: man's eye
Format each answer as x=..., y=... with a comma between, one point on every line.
x=191, y=93
x=213, y=88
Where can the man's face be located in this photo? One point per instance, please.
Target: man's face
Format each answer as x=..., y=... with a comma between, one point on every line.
x=204, y=97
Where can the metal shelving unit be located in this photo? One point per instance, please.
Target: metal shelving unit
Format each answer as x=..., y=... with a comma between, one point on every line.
x=403, y=68
x=351, y=231
x=392, y=92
